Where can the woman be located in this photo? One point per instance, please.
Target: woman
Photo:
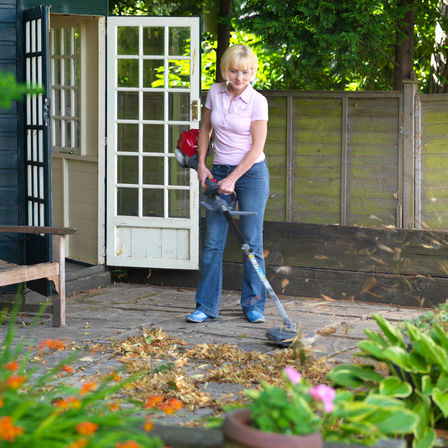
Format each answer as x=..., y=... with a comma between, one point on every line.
x=238, y=115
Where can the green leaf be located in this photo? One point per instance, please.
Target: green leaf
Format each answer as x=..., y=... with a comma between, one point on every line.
x=372, y=349
x=398, y=356
x=417, y=363
x=426, y=441
x=400, y=421
x=353, y=375
x=433, y=353
x=423, y=420
x=441, y=400
x=442, y=382
x=441, y=336
x=383, y=401
x=427, y=386
x=392, y=333
x=354, y=411
x=376, y=337
x=394, y=387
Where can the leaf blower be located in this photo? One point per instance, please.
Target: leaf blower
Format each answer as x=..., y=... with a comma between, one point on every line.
x=186, y=154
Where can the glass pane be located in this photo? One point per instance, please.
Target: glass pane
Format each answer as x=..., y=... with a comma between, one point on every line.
x=179, y=204
x=127, y=105
x=127, y=40
x=177, y=174
x=66, y=63
x=68, y=137
x=57, y=71
x=153, y=106
x=127, y=201
x=152, y=138
x=77, y=72
x=153, y=170
x=127, y=72
x=68, y=103
x=127, y=137
x=77, y=135
x=57, y=101
x=179, y=74
x=127, y=170
x=67, y=41
x=152, y=202
x=76, y=105
x=57, y=132
x=174, y=132
x=77, y=49
x=179, y=106
x=179, y=41
x=153, y=73
x=153, y=40
x=56, y=41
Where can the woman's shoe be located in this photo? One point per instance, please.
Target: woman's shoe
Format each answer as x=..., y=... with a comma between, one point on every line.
x=255, y=317
x=197, y=317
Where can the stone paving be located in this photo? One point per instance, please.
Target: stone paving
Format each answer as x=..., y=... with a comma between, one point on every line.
x=112, y=314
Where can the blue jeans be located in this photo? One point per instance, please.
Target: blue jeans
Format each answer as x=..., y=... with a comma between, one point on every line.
x=252, y=190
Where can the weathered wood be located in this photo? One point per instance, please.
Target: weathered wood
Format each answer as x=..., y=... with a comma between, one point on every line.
x=38, y=230
x=11, y=274
x=382, y=250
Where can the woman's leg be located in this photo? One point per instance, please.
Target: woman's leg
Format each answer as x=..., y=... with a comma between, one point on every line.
x=252, y=190
x=208, y=293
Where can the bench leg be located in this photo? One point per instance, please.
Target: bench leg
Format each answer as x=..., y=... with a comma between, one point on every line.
x=59, y=298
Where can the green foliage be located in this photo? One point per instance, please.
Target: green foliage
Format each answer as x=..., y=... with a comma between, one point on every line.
x=339, y=44
x=41, y=410
x=438, y=315
x=11, y=91
x=367, y=419
x=287, y=411
x=298, y=408
x=417, y=363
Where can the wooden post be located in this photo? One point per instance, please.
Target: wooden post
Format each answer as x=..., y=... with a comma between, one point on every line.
x=59, y=298
x=408, y=131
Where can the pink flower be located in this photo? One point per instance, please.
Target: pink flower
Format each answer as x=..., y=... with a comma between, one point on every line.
x=324, y=393
x=294, y=376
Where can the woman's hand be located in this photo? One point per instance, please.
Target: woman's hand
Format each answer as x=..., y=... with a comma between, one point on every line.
x=203, y=174
x=226, y=185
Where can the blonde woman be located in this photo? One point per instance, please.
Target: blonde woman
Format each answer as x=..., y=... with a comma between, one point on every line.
x=238, y=115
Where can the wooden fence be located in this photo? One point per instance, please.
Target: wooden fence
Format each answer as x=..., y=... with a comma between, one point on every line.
x=359, y=198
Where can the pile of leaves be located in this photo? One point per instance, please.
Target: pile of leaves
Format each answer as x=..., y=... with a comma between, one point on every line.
x=168, y=366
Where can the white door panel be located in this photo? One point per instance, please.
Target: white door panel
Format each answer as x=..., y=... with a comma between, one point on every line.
x=153, y=79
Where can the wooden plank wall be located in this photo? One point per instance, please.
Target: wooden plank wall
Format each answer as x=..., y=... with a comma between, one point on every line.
x=334, y=158
x=432, y=162
x=10, y=159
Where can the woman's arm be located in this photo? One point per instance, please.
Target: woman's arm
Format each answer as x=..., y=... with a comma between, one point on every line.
x=205, y=132
x=259, y=130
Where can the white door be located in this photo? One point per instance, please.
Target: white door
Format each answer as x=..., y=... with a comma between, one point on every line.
x=153, y=91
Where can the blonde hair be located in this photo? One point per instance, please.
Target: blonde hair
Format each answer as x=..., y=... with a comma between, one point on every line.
x=239, y=56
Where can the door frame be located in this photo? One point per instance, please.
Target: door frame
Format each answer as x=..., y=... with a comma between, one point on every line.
x=104, y=165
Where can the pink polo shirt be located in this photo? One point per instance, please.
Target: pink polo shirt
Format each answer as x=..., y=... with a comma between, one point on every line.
x=232, y=122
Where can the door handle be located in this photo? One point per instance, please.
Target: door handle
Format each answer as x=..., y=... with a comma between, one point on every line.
x=195, y=109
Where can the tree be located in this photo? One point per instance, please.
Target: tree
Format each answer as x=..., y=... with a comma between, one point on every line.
x=340, y=44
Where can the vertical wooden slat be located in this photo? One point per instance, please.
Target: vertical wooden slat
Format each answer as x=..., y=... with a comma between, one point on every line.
x=344, y=160
x=418, y=164
x=59, y=298
x=289, y=157
x=409, y=92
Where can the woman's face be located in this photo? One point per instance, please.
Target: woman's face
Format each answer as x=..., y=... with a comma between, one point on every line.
x=238, y=78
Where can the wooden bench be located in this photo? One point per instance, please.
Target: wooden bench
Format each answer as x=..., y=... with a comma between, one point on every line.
x=11, y=274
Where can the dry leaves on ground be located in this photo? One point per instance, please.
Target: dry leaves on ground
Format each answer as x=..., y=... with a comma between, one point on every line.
x=173, y=368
